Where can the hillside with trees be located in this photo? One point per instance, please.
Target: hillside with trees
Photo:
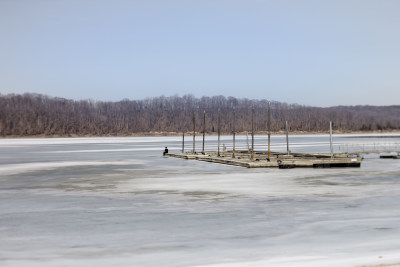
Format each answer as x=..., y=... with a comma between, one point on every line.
x=33, y=114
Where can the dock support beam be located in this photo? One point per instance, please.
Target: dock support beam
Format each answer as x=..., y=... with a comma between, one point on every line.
x=330, y=134
x=219, y=130
x=269, y=131
x=204, y=130
x=287, y=138
x=183, y=136
x=194, y=133
x=234, y=131
x=252, y=133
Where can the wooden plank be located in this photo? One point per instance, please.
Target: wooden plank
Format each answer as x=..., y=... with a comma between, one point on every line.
x=283, y=161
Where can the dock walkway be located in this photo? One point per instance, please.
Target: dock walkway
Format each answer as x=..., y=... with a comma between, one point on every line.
x=276, y=160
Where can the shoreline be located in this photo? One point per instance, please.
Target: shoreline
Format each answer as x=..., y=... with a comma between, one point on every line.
x=363, y=134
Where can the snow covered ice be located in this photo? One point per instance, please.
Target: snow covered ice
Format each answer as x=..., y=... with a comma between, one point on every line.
x=117, y=202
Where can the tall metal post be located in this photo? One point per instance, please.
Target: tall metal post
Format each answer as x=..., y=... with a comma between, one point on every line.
x=247, y=142
x=252, y=133
x=219, y=130
x=194, y=133
x=234, y=131
x=269, y=131
x=183, y=135
x=330, y=133
x=204, y=130
x=287, y=138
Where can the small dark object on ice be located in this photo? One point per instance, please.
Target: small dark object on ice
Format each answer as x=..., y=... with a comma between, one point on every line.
x=389, y=156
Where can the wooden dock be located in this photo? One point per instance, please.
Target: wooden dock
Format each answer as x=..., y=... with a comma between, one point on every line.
x=276, y=160
x=256, y=159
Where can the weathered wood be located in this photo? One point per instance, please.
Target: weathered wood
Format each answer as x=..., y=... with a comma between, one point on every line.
x=330, y=133
x=280, y=160
x=242, y=163
x=234, y=133
x=269, y=131
x=183, y=136
x=204, y=129
x=319, y=162
x=287, y=138
x=219, y=130
x=252, y=133
x=194, y=133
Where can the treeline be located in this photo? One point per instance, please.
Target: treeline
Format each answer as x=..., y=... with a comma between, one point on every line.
x=33, y=114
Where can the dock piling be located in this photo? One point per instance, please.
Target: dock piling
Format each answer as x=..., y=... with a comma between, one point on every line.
x=330, y=133
x=204, y=130
x=194, y=133
x=269, y=131
x=234, y=132
x=252, y=133
x=287, y=138
x=183, y=136
x=219, y=130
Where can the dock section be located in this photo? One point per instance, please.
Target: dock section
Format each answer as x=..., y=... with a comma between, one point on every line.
x=256, y=159
x=276, y=160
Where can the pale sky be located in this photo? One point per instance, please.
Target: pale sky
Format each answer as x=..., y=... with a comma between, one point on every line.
x=319, y=53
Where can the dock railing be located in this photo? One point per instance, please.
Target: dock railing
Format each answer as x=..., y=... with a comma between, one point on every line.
x=366, y=148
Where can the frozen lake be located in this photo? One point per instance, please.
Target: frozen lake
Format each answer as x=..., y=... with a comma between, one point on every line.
x=118, y=202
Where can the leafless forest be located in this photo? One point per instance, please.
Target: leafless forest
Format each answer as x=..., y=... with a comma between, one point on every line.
x=33, y=114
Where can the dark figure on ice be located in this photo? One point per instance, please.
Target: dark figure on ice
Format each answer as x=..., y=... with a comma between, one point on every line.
x=165, y=151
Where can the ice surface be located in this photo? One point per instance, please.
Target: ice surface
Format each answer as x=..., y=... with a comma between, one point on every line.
x=118, y=202
x=7, y=169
